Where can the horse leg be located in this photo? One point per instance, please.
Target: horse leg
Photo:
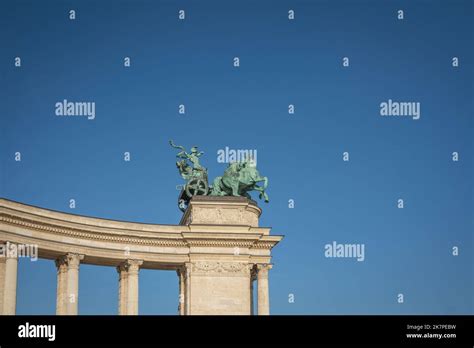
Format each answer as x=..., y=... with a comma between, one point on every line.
x=235, y=189
x=217, y=188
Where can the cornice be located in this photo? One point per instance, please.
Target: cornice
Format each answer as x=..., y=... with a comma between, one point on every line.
x=180, y=241
x=87, y=234
x=56, y=224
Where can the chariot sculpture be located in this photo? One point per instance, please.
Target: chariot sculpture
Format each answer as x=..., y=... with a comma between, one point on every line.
x=238, y=179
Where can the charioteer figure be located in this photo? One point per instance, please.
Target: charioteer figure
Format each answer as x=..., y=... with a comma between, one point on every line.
x=195, y=175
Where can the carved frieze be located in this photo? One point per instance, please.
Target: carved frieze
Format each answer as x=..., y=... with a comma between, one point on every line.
x=224, y=216
x=217, y=267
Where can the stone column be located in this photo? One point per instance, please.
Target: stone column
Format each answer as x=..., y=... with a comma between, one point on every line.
x=181, y=276
x=61, y=293
x=10, y=279
x=187, y=288
x=132, y=288
x=2, y=278
x=263, y=295
x=122, y=270
x=72, y=282
x=253, y=277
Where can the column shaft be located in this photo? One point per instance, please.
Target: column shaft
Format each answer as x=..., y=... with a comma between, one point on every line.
x=10, y=283
x=253, y=277
x=8, y=278
x=2, y=281
x=263, y=295
x=72, y=280
x=122, y=270
x=187, y=289
x=132, y=286
x=61, y=294
x=251, y=297
x=181, y=303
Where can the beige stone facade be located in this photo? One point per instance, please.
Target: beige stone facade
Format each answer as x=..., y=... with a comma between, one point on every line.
x=218, y=252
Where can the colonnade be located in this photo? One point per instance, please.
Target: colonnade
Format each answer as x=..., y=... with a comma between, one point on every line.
x=67, y=294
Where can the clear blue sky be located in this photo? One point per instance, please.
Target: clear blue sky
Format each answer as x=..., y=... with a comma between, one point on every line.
x=282, y=62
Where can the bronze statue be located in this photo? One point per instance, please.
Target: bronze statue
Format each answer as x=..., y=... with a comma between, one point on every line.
x=238, y=180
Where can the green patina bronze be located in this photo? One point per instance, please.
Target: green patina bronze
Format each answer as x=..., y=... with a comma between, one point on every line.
x=238, y=180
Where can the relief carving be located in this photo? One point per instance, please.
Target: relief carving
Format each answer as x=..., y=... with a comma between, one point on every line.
x=220, y=267
x=225, y=216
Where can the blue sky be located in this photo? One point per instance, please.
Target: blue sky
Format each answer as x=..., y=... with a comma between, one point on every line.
x=282, y=62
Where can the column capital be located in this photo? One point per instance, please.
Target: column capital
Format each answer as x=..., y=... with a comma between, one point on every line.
x=61, y=263
x=187, y=268
x=122, y=267
x=264, y=266
x=253, y=271
x=130, y=266
x=73, y=260
x=9, y=250
x=181, y=270
x=263, y=269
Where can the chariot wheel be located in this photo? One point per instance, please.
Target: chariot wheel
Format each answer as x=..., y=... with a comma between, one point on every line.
x=197, y=187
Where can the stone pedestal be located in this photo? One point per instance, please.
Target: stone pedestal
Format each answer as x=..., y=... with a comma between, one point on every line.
x=225, y=247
